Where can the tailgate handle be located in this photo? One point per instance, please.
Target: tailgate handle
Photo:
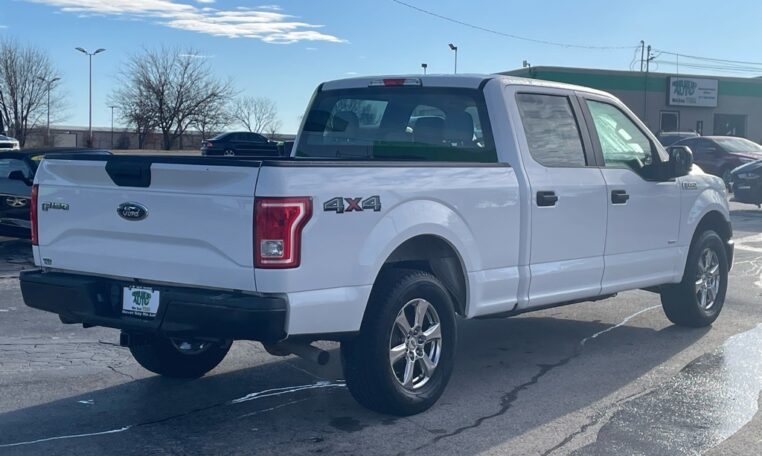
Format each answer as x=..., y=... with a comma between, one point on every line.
x=129, y=173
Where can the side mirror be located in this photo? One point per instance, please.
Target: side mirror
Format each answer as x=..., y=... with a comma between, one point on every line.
x=20, y=176
x=680, y=160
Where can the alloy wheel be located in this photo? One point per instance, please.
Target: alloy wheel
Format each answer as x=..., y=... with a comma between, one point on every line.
x=707, y=278
x=415, y=344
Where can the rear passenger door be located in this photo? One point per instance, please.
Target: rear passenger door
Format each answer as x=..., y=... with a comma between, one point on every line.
x=568, y=199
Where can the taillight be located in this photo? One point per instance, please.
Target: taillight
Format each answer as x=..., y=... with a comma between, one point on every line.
x=209, y=144
x=33, y=214
x=278, y=224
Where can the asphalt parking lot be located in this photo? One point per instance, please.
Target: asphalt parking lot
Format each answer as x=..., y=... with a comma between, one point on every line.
x=602, y=378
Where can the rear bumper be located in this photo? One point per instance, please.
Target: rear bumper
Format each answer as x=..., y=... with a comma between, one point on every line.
x=183, y=312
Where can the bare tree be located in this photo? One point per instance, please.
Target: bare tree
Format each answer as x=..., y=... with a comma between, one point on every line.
x=24, y=71
x=212, y=118
x=256, y=114
x=135, y=111
x=273, y=128
x=174, y=86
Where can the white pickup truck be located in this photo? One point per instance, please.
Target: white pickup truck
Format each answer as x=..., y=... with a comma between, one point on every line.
x=407, y=202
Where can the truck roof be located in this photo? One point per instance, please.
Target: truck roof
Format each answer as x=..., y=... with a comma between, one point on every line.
x=471, y=81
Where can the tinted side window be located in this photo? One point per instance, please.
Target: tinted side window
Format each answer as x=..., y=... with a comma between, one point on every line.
x=623, y=144
x=254, y=137
x=697, y=146
x=551, y=130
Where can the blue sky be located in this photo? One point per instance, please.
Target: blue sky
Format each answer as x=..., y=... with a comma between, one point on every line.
x=283, y=49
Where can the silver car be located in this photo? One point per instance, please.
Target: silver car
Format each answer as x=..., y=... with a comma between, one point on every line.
x=8, y=143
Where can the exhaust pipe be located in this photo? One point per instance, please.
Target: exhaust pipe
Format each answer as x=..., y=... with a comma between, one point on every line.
x=300, y=349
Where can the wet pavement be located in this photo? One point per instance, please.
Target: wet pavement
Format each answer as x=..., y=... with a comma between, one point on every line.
x=610, y=377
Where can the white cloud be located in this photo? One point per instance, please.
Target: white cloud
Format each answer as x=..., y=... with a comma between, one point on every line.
x=265, y=23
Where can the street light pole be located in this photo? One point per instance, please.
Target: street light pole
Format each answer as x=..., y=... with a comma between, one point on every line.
x=424, y=66
x=48, y=83
x=90, y=124
x=455, y=49
x=112, y=125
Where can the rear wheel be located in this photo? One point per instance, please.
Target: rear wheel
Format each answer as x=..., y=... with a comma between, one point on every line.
x=698, y=299
x=229, y=153
x=402, y=359
x=179, y=358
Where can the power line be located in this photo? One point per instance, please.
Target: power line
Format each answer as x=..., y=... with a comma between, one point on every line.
x=710, y=59
x=726, y=69
x=509, y=35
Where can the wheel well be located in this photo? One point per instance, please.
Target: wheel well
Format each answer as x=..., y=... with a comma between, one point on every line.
x=714, y=221
x=437, y=256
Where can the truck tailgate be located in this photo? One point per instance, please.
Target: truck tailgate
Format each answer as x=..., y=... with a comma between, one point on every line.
x=196, y=229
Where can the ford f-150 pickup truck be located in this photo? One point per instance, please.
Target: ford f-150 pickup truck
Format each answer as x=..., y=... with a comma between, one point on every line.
x=407, y=202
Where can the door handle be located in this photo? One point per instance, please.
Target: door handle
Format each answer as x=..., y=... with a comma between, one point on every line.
x=619, y=196
x=547, y=198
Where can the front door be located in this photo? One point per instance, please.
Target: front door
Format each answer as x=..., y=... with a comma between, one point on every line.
x=643, y=208
x=568, y=199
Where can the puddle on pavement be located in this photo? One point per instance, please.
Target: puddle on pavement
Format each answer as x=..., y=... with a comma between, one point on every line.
x=711, y=399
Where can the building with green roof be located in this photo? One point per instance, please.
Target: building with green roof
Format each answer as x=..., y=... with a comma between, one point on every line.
x=709, y=105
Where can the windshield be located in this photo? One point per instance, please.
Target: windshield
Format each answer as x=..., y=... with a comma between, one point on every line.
x=738, y=145
x=395, y=123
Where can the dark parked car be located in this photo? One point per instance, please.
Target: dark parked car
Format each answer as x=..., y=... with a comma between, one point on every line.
x=667, y=138
x=747, y=183
x=720, y=155
x=17, y=169
x=240, y=143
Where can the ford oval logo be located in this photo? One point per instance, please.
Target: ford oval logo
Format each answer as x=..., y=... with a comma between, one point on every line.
x=132, y=211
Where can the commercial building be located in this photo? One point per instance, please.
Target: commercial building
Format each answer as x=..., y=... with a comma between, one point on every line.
x=709, y=105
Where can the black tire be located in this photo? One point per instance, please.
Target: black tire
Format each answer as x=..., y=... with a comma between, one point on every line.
x=368, y=371
x=161, y=356
x=681, y=302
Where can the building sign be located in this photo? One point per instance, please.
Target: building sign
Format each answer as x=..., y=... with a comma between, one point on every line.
x=701, y=93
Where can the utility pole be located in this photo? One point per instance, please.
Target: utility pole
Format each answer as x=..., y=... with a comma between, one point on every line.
x=2, y=124
x=642, y=52
x=90, y=124
x=48, y=83
x=112, y=125
x=455, y=49
x=649, y=57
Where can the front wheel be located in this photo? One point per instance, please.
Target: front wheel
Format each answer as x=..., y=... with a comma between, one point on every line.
x=698, y=299
x=402, y=360
x=179, y=358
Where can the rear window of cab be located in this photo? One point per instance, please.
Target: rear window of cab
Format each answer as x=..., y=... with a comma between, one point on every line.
x=398, y=123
